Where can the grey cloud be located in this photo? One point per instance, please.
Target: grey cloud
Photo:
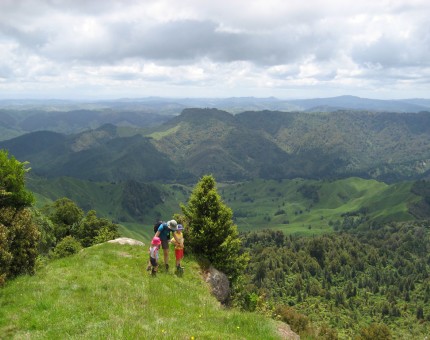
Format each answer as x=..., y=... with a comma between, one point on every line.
x=172, y=42
x=123, y=76
x=30, y=38
x=190, y=40
x=88, y=7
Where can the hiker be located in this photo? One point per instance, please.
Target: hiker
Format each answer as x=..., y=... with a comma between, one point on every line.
x=164, y=234
x=153, y=254
x=178, y=242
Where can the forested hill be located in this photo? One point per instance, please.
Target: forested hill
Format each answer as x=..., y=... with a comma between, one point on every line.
x=273, y=144
x=254, y=144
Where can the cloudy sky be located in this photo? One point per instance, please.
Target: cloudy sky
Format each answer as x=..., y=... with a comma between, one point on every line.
x=96, y=49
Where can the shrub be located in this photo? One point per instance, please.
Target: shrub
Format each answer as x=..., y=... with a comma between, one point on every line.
x=19, y=238
x=375, y=331
x=105, y=234
x=299, y=323
x=66, y=247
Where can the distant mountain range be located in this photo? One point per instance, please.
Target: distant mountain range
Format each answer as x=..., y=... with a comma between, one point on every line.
x=18, y=117
x=233, y=105
x=387, y=146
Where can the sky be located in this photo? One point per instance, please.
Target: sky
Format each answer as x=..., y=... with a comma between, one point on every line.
x=289, y=49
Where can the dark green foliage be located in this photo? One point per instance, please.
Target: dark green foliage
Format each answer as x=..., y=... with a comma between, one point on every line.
x=139, y=198
x=210, y=230
x=310, y=192
x=421, y=209
x=66, y=247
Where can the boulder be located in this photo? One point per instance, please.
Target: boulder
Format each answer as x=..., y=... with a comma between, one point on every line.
x=125, y=240
x=219, y=283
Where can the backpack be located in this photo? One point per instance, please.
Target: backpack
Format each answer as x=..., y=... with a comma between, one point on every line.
x=156, y=225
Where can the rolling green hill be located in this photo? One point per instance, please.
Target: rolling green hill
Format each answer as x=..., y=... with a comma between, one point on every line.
x=296, y=206
x=312, y=207
x=104, y=293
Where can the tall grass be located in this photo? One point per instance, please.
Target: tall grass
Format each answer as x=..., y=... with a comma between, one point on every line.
x=104, y=292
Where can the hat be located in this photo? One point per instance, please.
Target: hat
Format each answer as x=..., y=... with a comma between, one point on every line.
x=173, y=225
x=180, y=227
x=156, y=241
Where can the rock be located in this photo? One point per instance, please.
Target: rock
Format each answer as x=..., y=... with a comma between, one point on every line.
x=285, y=332
x=220, y=285
x=125, y=240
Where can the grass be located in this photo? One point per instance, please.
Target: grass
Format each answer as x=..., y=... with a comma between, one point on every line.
x=104, y=293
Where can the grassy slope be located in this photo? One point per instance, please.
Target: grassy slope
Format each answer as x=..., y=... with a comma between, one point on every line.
x=104, y=293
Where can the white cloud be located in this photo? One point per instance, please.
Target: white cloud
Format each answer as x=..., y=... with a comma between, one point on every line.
x=202, y=47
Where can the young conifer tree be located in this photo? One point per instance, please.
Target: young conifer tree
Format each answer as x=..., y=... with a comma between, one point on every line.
x=211, y=232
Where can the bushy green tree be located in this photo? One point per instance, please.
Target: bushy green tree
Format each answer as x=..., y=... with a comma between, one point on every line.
x=70, y=220
x=211, y=232
x=12, y=182
x=65, y=215
x=18, y=233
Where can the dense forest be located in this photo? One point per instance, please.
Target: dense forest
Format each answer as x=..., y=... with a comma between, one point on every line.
x=345, y=280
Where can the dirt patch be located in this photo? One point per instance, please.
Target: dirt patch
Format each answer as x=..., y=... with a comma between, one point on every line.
x=124, y=254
